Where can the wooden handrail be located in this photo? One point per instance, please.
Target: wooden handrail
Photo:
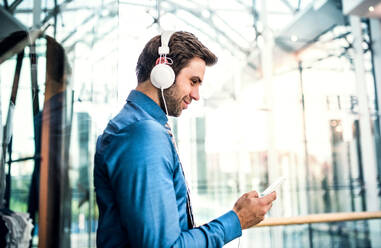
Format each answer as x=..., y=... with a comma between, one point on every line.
x=319, y=218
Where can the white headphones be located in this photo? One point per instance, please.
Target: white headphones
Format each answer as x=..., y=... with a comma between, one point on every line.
x=162, y=75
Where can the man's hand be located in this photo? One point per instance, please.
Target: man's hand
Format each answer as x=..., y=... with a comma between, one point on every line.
x=251, y=210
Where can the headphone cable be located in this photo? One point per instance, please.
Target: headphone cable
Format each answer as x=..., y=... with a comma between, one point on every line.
x=165, y=104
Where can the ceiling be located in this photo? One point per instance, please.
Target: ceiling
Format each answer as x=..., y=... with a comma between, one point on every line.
x=364, y=8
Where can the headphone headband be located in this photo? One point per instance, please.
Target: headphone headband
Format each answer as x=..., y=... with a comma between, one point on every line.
x=162, y=75
x=165, y=37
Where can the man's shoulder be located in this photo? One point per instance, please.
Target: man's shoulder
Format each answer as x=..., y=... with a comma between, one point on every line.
x=144, y=127
x=128, y=115
x=140, y=138
x=140, y=131
x=132, y=125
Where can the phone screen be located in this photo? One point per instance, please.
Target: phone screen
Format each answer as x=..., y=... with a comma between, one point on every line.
x=273, y=186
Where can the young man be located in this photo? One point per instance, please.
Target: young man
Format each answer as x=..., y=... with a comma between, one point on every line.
x=141, y=191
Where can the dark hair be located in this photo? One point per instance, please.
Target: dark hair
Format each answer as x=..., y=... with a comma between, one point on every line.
x=183, y=47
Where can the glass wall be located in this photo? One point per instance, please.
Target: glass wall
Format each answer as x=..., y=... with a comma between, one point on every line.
x=239, y=137
x=88, y=31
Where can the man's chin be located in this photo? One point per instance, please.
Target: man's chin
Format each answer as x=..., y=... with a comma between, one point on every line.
x=176, y=113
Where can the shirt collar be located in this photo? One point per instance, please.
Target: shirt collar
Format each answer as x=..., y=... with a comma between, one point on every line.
x=148, y=105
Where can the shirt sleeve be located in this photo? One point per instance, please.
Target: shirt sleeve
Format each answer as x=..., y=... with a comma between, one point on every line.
x=141, y=166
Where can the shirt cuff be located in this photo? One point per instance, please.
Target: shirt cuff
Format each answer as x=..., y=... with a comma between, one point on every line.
x=232, y=226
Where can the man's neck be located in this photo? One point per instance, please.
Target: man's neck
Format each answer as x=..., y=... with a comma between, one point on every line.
x=149, y=90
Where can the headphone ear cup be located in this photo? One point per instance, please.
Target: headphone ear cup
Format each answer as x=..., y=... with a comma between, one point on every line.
x=162, y=76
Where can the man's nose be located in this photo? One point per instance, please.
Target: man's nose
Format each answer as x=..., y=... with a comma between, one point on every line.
x=195, y=94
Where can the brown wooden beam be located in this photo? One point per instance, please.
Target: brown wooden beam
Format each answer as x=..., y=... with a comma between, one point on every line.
x=319, y=218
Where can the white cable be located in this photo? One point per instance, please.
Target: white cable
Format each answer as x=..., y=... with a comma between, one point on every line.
x=165, y=104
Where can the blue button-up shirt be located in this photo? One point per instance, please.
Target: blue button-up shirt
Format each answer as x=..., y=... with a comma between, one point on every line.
x=140, y=188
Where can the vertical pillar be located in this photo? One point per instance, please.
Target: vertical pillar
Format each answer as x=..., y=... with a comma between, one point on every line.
x=55, y=195
x=8, y=131
x=34, y=186
x=366, y=139
x=1, y=120
x=2, y=169
x=305, y=181
x=36, y=13
x=85, y=170
x=268, y=84
x=276, y=236
x=375, y=33
x=202, y=183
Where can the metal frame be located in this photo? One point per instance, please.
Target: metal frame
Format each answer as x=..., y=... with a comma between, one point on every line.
x=288, y=4
x=14, y=5
x=219, y=36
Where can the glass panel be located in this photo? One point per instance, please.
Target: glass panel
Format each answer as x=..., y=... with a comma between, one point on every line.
x=231, y=141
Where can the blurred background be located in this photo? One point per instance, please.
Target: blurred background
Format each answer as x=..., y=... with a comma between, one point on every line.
x=295, y=93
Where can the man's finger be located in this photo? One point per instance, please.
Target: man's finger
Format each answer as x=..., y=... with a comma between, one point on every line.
x=253, y=194
x=270, y=197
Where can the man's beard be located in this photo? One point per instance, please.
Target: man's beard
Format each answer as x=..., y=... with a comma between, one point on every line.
x=172, y=101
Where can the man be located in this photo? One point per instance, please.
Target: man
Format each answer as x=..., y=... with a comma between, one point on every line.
x=141, y=191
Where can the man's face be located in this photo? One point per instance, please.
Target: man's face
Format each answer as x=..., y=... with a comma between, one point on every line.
x=186, y=87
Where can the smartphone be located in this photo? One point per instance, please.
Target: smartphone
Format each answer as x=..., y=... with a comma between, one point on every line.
x=273, y=186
